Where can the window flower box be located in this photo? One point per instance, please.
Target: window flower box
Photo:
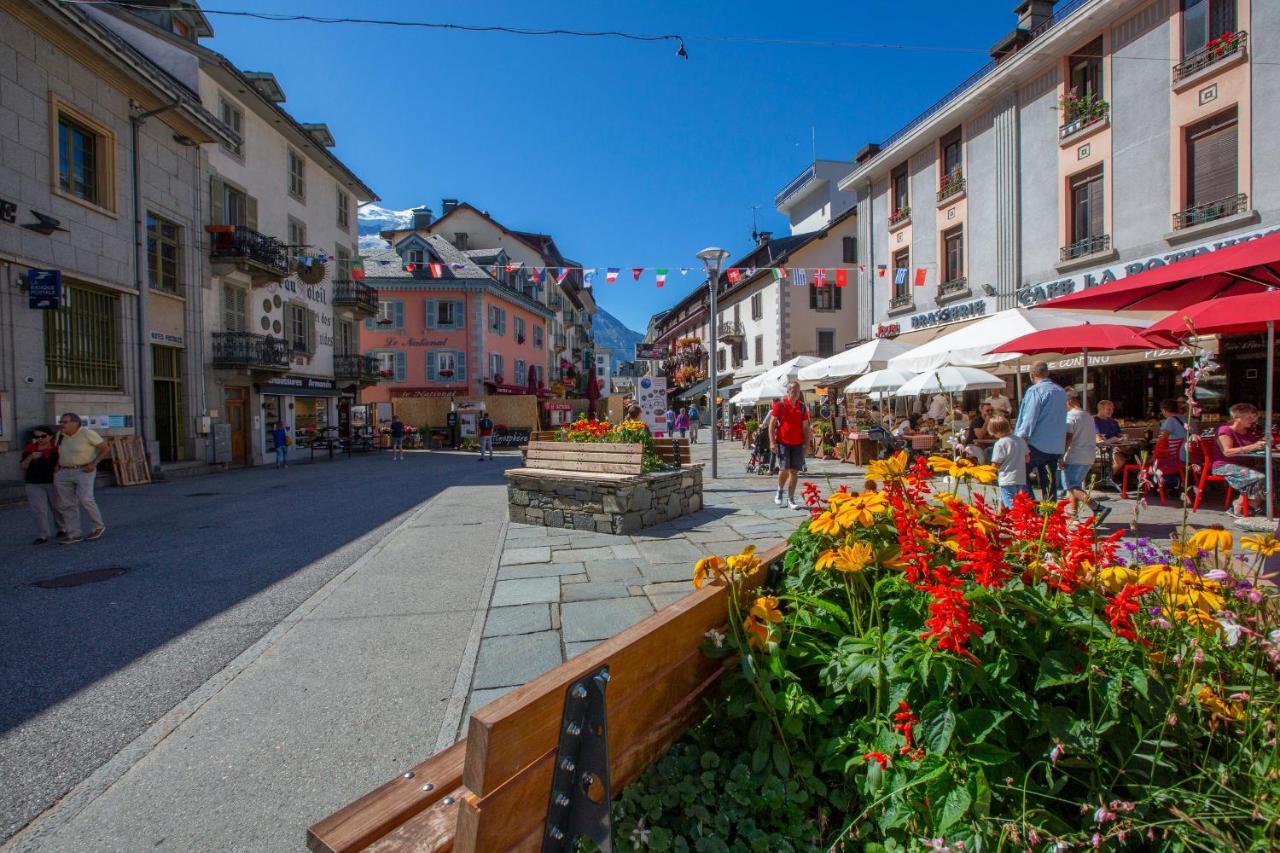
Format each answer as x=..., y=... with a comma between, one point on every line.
x=900, y=217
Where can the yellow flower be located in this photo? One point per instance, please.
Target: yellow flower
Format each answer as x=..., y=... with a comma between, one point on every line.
x=1168, y=578
x=1215, y=538
x=1182, y=549
x=1215, y=705
x=1113, y=578
x=1200, y=593
x=838, y=498
x=882, y=470
x=766, y=609
x=827, y=523
x=763, y=612
x=1265, y=544
x=947, y=465
x=985, y=522
x=963, y=467
x=985, y=474
x=744, y=563
x=1197, y=619
x=846, y=558
x=707, y=569
x=861, y=509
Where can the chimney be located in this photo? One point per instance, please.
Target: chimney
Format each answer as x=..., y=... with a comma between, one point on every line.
x=1033, y=13
x=447, y=205
x=763, y=237
x=421, y=217
x=868, y=151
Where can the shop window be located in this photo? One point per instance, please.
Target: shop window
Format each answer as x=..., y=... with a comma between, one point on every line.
x=310, y=417
x=80, y=340
x=1203, y=20
x=233, y=117
x=166, y=373
x=1213, y=169
x=826, y=343
x=953, y=255
x=297, y=175
x=84, y=157
x=164, y=254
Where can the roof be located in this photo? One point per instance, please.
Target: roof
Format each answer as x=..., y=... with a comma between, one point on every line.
x=481, y=256
x=533, y=241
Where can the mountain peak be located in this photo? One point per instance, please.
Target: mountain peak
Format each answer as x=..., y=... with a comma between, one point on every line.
x=609, y=333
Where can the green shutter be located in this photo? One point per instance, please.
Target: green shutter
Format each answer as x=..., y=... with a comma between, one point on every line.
x=251, y=212
x=217, y=213
x=432, y=314
x=399, y=313
x=459, y=314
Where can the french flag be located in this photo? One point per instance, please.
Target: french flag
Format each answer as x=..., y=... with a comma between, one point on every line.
x=611, y=275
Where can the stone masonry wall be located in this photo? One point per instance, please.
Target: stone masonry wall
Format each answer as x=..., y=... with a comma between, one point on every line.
x=618, y=506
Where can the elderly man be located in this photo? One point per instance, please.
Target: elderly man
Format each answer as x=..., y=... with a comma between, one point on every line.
x=79, y=452
x=1042, y=422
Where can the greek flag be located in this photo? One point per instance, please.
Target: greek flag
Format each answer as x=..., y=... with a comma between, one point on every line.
x=799, y=276
x=900, y=275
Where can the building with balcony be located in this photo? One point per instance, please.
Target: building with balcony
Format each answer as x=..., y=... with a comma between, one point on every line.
x=121, y=346
x=446, y=327
x=1105, y=137
x=275, y=239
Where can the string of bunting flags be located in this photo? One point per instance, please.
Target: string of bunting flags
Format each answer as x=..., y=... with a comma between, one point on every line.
x=801, y=276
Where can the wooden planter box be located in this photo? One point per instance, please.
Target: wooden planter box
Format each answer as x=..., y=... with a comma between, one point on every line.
x=490, y=790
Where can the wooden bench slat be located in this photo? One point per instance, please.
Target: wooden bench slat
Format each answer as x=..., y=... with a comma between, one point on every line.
x=583, y=446
x=632, y=468
x=573, y=475
x=430, y=831
x=575, y=455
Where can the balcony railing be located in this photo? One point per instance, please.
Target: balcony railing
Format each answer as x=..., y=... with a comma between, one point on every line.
x=249, y=350
x=952, y=184
x=729, y=331
x=244, y=245
x=1087, y=246
x=797, y=183
x=1215, y=51
x=353, y=294
x=954, y=286
x=1210, y=210
x=1081, y=113
x=902, y=301
x=561, y=341
x=362, y=368
x=900, y=216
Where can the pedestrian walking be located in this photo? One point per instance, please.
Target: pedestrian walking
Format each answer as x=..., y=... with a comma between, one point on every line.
x=1042, y=423
x=39, y=463
x=789, y=434
x=1078, y=461
x=1010, y=456
x=682, y=423
x=397, y=438
x=669, y=428
x=486, y=436
x=79, y=451
x=280, y=435
x=694, y=423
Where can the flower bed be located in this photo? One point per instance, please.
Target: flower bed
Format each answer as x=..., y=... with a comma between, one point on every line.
x=932, y=673
x=627, y=432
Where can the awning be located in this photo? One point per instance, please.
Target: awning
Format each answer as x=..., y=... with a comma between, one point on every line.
x=694, y=390
x=1110, y=359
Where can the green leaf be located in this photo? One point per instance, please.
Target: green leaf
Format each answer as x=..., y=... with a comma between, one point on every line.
x=1020, y=702
x=989, y=754
x=981, y=795
x=976, y=723
x=1060, y=667
x=780, y=760
x=954, y=807
x=939, y=723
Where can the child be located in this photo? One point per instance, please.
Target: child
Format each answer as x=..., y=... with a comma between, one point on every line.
x=1010, y=454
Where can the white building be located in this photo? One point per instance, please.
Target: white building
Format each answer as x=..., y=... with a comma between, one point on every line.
x=604, y=370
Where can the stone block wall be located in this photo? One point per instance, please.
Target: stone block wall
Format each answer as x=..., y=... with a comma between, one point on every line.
x=604, y=506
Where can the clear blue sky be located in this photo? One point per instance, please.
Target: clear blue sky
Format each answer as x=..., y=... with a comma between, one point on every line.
x=625, y=153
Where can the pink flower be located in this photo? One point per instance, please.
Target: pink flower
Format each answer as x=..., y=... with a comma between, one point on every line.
x=1057, y=752
x=1242, y=696
x=1103, y=815
x=1172, y=720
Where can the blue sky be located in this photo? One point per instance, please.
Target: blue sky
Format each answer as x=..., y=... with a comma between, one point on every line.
x=627, y=154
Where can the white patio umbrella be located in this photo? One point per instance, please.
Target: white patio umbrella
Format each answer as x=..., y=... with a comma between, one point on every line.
x=972, y=345
x=762, y=387
x=950, y=380
x=788, y=370
x=873, y=355
x=888, y=381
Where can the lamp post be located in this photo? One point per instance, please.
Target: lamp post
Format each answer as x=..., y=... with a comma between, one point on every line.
x=712, y=257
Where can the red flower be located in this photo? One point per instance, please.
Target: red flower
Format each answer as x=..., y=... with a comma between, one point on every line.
x=904, y=722
x=1123, y=606
x=879, y=758
x=949, y=617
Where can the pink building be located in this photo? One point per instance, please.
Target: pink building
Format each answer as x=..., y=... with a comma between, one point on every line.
x=447, y=327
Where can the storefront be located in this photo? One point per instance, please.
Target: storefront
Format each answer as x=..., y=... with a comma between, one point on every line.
x=304, y=404
x=1243, y=359
x=916, y=329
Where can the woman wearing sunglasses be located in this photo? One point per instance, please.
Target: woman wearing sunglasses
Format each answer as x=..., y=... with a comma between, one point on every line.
x=39, y=461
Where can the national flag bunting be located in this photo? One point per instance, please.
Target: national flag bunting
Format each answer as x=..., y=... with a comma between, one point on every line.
x=781, y=273
x=409, y=267
x=536, y=273
x=842, y=278
x=355, y=269
x=588, y=278
x=820, y=278
x=562, y=274
x=611, y=275
x=684, y=270
x=437, y=270
x=733, y=275
x=920, y=274
x=899, y=275
x=635, y=273
x=512, y=267
x=799, y=276
x=661, y=273
x=456, y=267
x=881, y=269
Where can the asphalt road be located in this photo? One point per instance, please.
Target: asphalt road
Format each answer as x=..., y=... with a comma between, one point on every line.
x=214, y=563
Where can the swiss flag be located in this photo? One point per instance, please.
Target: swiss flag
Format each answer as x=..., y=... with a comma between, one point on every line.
x=842, y=278
x=733, y=275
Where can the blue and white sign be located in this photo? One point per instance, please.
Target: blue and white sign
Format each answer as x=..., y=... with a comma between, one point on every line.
x=44, y=289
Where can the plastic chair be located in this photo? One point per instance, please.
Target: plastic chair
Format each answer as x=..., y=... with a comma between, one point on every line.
x=1165, y=457
x=1206, y=453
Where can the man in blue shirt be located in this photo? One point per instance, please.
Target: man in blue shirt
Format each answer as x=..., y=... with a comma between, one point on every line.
x=1042, y=421
x=1108, y=428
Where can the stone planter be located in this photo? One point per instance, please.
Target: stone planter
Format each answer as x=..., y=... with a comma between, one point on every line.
x=604, y=506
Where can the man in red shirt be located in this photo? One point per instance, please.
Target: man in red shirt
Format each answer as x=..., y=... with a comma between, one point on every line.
x=789, y=434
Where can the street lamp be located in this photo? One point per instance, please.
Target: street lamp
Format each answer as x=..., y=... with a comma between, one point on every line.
x=712, y=257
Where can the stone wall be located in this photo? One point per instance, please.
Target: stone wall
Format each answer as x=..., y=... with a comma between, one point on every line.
x=605, y=506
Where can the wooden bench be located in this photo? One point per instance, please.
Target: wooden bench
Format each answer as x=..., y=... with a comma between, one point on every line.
x=668, y=448
x=583, y=461
x=490, y=790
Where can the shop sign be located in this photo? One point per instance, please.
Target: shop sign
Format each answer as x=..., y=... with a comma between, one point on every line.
x=507, y=437
x=557, y=407
x=1243, y=345
x=648, y=352
x=1034, y=294
x=651, y=397
x=1076, y=362
x=417, y=393
x=291, y=384
x=950, y=314
x=44, y=289
x=888, y=330
x=166, y=338
x=395, y=341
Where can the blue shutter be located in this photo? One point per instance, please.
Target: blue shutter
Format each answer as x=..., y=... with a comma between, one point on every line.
x=431, y=365
x=431, y=314
x=399, y=314
x=459, y=314
x=460, y=359
x=400, y=365
x=504, y=322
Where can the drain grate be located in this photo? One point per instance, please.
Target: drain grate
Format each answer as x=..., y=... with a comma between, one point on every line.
x=81, y=578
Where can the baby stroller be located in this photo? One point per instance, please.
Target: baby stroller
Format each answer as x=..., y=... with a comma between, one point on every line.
x=761, y=459
x=889, y=444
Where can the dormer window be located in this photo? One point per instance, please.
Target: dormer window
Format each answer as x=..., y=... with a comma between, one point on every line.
x=416, y=256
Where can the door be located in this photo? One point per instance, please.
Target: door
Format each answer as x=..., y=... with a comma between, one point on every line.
x=166, y=370
x=234, y=400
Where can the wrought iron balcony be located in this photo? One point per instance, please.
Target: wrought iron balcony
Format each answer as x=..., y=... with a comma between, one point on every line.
x=729, y=331
x=561, y=341
x=353, y=294
x=951, y=288
x=903, y=301
x=1087, y=246
x=264, y=258
x=952, y=184
x=362, y=368
x=901, y=216
x=1210, y=210
x=1215, y=51
x=251, y=351
x=798, y=183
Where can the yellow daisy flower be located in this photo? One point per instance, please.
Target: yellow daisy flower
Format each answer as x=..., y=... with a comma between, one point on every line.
x=766, y=609
x=1215, y=538
x=1197, y=619
x=744, y=563
x=827, y=523
x=861, y=510
x=1263, y=543
x=708, y=569
x=846, y=558
x=881, y=470
x=1113, y=578
x=1215, y=705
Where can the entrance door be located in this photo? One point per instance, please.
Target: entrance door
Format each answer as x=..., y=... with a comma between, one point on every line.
x=166, y=363
x=234, y=401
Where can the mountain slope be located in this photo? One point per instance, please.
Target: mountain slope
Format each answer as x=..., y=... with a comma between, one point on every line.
x=609, y=333
x=373, y=218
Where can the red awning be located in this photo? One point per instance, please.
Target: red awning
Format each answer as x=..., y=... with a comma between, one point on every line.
x=1249, y=267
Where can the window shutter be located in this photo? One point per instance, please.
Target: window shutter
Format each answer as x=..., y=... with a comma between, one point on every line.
x=251, y=212
x=399, y=313
x=311, y=332
x=502, y=316
x=217, y=212
x=850, y=250
x=813, y=296
x=459, y=313
x=431, y=365
x=460, y=362
x=431, y=314
x=836, y=294
x=1212, y=173
x=400, y=366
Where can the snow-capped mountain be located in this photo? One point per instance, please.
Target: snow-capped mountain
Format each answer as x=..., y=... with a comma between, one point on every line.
x=373, y=218
x=609, y=333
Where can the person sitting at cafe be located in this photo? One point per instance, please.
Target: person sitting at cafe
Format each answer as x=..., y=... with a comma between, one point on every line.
x=999, y=403
x=907, y=427
x=1108, y=431
x=1173, y=435
x=977, y=429
x=1232, y=445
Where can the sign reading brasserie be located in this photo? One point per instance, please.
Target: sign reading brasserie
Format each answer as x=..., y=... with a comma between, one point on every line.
x=1033, y=294
x=950, y=314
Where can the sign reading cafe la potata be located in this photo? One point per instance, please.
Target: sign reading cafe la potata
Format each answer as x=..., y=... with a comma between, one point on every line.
x=1034, y=294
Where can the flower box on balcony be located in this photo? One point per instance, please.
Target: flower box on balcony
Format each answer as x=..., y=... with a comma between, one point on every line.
x=950, y=187
x=899, y=218
x=1225, y=51
x=901, y=304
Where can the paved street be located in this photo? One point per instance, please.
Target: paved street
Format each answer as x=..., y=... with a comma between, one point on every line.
x=285, y=641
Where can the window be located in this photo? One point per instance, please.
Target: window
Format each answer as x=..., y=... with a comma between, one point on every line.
x=953, y=153
x=297, y=233
x=1212, y=160
x=901, y=274
x=460, y=241
x=757, y=306
x=520, y=373
x=85, y=157
x=415, y=256
x=1087, y=220
x=497, y=320
x=759, y=349
x=739, y=351
x=391, y=364
x=826, y=343
x=235, y=309
x=537, y=337
x=447, y=366
x=825, y=298
x=344, y=211
x=850, y=253
x=900, y=190
x=297, y=175
x=300, y=329
x=953, y=254
x=164, y=254
x=347, y=342
x=519, y=328
x=229, y=205
x=495, y=367
x=233, y=117
x=719, y=359
x=342, y=270
x=1205, y=19
x=390, y=315
x=80, y=348
x=446, y=313
x=1085, y=72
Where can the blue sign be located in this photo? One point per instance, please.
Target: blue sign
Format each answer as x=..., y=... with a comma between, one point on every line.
x=44, y=289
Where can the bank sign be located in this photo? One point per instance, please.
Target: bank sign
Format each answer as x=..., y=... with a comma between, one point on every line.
x=1034, y=294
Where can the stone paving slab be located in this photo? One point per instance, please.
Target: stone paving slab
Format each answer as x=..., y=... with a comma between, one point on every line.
x=667, y=572
x=574, y=649
x=525, y=591
x=672, y=551
x=573, y=553
x=593, y=591
x=534, y=554
x=614, y=570
x=519, y=619
x=512, y=661
x=539, y=570
x=599, y=620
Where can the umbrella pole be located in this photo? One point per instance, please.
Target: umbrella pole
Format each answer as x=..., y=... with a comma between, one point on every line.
x=1266, y=426
x=1084, y=391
